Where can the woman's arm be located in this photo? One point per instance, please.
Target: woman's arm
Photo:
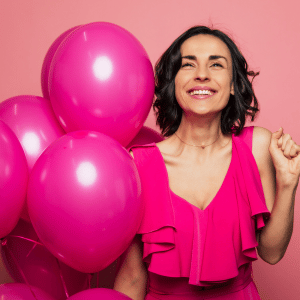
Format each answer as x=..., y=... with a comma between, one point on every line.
x=131, y=278
x=279, y=186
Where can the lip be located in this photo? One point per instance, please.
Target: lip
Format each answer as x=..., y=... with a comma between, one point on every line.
x=201, y=97
x=201, y=88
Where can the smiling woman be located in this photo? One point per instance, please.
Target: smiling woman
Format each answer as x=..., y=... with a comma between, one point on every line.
x=170, y=65
x=211, y=73
x=209, y=188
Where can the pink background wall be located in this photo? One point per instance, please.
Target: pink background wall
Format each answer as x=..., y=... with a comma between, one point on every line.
x=267, y=32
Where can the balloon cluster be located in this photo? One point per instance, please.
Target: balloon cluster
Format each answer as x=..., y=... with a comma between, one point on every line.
x=63, y=166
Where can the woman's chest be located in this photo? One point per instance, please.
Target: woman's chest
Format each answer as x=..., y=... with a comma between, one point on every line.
x=198, y=184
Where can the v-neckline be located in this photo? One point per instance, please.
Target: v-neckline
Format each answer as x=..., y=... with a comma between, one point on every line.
x=218, y=192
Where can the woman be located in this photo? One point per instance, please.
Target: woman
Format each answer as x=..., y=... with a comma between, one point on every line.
x=210, y=191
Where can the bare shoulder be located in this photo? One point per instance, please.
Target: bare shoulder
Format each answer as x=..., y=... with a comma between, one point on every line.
x=163, y=143
x=260, y=145
x=261, y=136
x=165, y=146
x=261, y=153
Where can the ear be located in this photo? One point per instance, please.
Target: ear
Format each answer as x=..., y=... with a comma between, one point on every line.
x=232, y=89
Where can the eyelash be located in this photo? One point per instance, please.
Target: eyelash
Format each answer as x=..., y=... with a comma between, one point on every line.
x=190, y=65
x=187, y=65
x=217, y=64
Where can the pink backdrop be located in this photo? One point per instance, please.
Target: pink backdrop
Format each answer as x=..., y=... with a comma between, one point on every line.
x=267, y=32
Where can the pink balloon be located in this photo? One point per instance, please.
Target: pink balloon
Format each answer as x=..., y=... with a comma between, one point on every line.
x=102, y=79
x=84, y=200
x=48, y=59
x=13, y=179
x=146, y=136
x=20, y=291
x=32, y=120
x=25, y=257
x=103, y=294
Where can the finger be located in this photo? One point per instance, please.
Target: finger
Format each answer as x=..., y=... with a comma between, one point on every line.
x=293, y=152
x=280, y=142
x=287, y=149
x=286, y=137
x=276, y=135
x=297, y=148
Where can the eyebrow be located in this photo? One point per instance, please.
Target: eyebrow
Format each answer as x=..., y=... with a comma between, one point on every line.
x=211, y=57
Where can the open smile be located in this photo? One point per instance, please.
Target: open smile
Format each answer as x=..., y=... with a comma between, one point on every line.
x=201, y=92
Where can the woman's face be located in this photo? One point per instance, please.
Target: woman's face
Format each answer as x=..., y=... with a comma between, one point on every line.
x=203, y=84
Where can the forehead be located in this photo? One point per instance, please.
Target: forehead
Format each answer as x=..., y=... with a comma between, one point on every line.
x=204, y=45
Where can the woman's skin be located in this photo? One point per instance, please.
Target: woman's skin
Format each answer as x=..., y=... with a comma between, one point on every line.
x=196, y=174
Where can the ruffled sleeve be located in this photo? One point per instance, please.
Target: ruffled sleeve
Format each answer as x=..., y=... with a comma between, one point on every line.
x=251, y=173
x=254, y=204
x=252, y=184
x=158, y=226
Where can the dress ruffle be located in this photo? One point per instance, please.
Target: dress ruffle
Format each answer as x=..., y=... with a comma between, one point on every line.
x=158, y=225
x=223, y=236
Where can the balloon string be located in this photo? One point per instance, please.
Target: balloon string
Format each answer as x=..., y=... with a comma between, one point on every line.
x=62, y=279
x=33, y=241
x=29, y=252
x=35, y=244
x=30, y=240
x=4, y=243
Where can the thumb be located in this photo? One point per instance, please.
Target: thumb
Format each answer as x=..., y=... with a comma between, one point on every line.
x=277, y=134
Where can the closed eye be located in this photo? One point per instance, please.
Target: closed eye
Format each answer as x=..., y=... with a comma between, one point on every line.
x=217, y=65
x=187, y=65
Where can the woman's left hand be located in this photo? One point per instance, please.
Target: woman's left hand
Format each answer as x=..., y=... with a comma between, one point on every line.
x=285, y=154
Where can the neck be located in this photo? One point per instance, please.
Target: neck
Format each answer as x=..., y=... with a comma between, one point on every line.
x=199, y=131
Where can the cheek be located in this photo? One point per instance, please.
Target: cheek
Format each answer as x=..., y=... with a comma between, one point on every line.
x=178, y=95
x=177, y=82
x=226, y=82
x=181, y=81
x=178, y=86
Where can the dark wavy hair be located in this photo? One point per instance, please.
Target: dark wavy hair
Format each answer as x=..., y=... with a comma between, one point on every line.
x=233, y=116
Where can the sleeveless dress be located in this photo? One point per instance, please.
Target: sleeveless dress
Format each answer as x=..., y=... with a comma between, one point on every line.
x=198, y=254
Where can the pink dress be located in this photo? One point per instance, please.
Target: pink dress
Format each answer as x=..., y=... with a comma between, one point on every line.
x=201, y=254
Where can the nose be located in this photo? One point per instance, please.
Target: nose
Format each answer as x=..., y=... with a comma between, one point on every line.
x=202, y=74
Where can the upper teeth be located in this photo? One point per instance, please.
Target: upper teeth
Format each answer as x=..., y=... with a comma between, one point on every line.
x=201, y=92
